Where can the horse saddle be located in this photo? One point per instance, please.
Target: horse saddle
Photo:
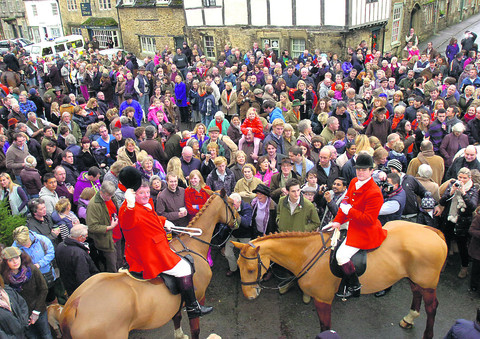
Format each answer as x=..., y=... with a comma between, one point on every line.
x=359, y=259
x=169, y=280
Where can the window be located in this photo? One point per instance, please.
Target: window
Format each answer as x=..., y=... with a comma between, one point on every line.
x=128, y=2
x=429, y=13
x=371, y=1
x=76, y=31
x=297, y=48
x=396, y=22
x=104, y=4
x=55, y=32
x=209, y=45
x=54, y=9
x=34, y=10
x=209, y=3
x=103, y=35
x=147, y=45
x=274, y=45
x=72, y=5
x=163, y=2
x=75, y=44
x=36, y=34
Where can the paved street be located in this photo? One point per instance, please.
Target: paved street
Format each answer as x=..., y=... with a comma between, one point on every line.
x=272, y=316
x=441, y=40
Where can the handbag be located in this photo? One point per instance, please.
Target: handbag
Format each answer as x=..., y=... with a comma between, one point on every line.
x=49, y=278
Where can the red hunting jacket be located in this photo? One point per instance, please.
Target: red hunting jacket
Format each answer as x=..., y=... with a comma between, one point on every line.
x=364, y=229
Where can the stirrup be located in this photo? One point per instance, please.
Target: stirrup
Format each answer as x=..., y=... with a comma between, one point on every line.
x=196, y=310
x=350, y=292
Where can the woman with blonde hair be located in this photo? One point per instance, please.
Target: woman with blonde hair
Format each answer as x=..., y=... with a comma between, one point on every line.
x=229, y=100
x=289, y=139
x=306, y=99
x=208, y=165
x=398, y=99
x=248, y=183
x=284, y=104
x=175, y=166
x=245, y=99
x=375, y=143
x=195, y=194
x=362, y=143
x=64, y=218
x=129, y=152
x=55, y=113
x=14, y=195
x=236, y=166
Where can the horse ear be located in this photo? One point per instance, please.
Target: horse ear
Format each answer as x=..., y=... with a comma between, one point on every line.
x=223, y=193
x=238, y=245
x=257, y=249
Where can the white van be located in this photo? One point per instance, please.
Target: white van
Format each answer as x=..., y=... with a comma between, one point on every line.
x=59, y=46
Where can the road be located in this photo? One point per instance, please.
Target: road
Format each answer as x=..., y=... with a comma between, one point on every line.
x=273, y=316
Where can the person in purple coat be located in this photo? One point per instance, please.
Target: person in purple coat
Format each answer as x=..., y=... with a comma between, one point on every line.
x=129, y=102
x=452, y=49
x=181, y=98
x=465, y=328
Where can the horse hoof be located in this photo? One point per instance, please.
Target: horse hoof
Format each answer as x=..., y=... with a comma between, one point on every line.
x=405, y=325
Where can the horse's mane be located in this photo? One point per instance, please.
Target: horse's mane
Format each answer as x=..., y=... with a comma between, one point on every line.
x=200, y=212
x=282, y=235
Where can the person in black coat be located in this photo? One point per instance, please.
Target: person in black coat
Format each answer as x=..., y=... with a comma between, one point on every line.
x=54, y=76
x=73, y=259
x=12, y=62
x=37, y=100
x=13, y=322
x=263, y=201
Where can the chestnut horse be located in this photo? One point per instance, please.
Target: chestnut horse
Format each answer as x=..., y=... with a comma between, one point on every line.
x=11, y=79
x=412, y=251
x=110, y=305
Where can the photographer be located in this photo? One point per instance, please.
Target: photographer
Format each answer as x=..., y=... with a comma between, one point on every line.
x=329, y=201
x=456, y=211
x=394, y=199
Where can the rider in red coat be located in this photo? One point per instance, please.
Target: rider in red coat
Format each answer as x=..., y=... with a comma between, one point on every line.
x=360, y=208
x=146, y=245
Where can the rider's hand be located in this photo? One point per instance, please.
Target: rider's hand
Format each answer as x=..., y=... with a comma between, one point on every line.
x=168, y=225
x=130, y=198
x=331, y=226
x=345, y=208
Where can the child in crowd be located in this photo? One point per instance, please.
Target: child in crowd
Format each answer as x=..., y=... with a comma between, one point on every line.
x=425, y=216
x=351, y=135
x=397, y=153
x=186, y=135
x=152, y=116
x=311, y=181
x=339, y=142
x=360, y=113
x=338, y=92
x=83, y=201
x=254, y=124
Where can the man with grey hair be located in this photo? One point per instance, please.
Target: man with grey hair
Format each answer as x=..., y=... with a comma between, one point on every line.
x=392, y=138
x=424, y=177
x=328, y=132
x=101, y=221
x=269, y=93
x=189, y=163
x=427, y=156
x=243, y=234
x=73, y=260
x=453, y=142
x=468, y=160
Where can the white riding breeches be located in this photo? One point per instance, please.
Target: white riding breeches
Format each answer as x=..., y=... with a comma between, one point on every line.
x=345, y=253
x=182, y=269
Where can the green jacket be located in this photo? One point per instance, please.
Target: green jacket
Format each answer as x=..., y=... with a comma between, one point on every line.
x=98, y=220
x=304, y=218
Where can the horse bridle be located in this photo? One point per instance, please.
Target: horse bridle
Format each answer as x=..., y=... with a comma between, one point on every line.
x=228, y=208
x=324, y=249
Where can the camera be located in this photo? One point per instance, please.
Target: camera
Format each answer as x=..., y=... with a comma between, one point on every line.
x=387, y=187
x=457, y=183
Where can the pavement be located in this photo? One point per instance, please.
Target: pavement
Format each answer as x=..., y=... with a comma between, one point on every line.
x=442, y=38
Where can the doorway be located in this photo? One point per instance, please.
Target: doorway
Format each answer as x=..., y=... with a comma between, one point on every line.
x=416, y=18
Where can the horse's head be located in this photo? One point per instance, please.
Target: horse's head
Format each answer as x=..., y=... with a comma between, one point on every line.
x=230, y=216
x=252, y=267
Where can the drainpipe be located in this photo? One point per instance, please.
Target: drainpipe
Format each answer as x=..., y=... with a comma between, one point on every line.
x=435, y=17
x=462, y=2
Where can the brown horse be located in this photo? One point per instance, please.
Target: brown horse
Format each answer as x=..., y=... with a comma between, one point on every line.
x=110, y=305
x=410, y=251
x=11, y=79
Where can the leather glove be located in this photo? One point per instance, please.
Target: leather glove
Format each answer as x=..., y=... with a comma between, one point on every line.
x=345, y=208
x=130, y=198
x=168, y=225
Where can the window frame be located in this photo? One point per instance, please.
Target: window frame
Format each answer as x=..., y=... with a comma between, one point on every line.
x=104, y=5
x=55, y=9
x=209, y=3
x=148, y=44
x=34, y=10
x=72, y=5
x=295, y=52
x=103, y=35
x=397, y=7
x=209, y=50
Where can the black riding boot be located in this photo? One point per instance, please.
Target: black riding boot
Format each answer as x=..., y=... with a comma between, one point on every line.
x=352, y=286
x=194, y=309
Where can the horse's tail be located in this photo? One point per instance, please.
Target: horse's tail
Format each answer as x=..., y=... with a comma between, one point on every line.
x=68, y=317
x=439, y=233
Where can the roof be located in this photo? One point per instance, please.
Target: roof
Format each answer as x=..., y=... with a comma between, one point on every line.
x=150, y=3
x=99, y=22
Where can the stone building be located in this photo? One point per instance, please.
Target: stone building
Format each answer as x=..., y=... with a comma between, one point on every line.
x=426, y=17
x=92, y=18
x=13, y=23
x=293, y=25
x=150, y=25
x=43, y=19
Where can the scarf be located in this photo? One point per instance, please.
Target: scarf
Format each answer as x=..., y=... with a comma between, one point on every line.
x=263, y=214
x=17, y=280
x=131, y=155
x=458, y=204
x=283, y=181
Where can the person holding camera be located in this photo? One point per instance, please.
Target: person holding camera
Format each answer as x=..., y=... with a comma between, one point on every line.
x=394, y=199
x=456, y=212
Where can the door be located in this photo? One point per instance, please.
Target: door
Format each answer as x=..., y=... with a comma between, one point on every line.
x=416, y=18
x=179, y=42
x=375, y=35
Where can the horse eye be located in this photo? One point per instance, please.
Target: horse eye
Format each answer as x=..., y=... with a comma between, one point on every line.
x=251, y=271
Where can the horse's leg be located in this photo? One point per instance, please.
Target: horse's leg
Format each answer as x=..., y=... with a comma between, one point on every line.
x=431, y=304
x=195, y=328
x=408, y=320
x=177, y=318
x=324, y=312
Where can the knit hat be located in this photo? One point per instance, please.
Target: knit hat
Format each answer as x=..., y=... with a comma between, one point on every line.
x=32, y=91
x=12, y=121
x=11, y=252
x=395, y=163
x=428, y=202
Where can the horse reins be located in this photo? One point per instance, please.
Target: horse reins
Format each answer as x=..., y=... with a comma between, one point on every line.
x=324, y=249
x=235, y=226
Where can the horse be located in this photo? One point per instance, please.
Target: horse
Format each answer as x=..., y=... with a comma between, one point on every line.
x=412, y=251
x=110, y=305
x=11, y=79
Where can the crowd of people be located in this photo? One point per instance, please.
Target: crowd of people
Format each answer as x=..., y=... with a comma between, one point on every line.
x=280, y=134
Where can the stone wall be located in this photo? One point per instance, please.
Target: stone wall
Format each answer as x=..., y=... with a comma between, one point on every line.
x=161, y=23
